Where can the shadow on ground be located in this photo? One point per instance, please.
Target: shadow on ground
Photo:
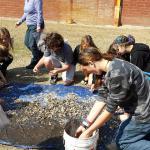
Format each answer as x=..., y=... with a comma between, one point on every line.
x=23, y=75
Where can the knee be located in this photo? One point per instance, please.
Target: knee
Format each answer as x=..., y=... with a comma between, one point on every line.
x=47, y=62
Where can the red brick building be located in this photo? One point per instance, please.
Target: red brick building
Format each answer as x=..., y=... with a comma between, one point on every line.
x=100, y=12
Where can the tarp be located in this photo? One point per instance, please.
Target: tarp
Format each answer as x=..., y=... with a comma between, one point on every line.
x=31, y=92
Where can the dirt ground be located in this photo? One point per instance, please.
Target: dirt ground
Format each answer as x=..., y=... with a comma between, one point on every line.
x=102, y=36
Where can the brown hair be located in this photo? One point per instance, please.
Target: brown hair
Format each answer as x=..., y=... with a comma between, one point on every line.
x=54, y=40
x=5, y=39
x=89, y=40
x=92, y=54
x=112, y=50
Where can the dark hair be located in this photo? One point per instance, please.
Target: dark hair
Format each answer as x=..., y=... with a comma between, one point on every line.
x=124, y=40
x=92, y=54
x=113, y=51
x=89, y=40
x=5, y=36
x=54, y=40
x=4, y=51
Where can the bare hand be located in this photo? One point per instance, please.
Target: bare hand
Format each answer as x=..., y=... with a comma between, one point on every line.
x=38, y=29
x=35, y=69
x=79, y=131
x=53, y=72
x=17, y=24
x=92, y=87
x=85, y=135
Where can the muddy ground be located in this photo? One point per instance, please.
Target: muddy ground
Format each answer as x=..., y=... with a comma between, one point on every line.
x=51, y=119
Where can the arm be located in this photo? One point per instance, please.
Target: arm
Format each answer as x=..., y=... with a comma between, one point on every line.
x=59, y=70
x=39, y=65
x=22, y=19
x=138, y=60
x=3, y=78
x=99, y=122
x=95, y=111
x=39, y=9
x=119, y=88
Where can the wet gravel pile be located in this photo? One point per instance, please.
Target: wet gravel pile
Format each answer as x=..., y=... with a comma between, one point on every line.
x=49, y=110
x=34, y=123
x=42, y=122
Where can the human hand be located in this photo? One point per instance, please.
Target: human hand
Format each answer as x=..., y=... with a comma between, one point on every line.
x=92, y=87
x=35, y=69
x=53, y=72
x=79, y=131
x=17, y=24
x=85, y=135
x=38, y=29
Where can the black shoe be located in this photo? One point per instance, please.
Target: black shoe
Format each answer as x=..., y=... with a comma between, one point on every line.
x=54, y=79
x=31, y=65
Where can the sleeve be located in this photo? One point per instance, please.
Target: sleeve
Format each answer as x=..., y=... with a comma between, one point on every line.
x=39, y=9
x=23, y=18
x=76, y=54
x=68, y=55
x=138, y=60
x=118, y=88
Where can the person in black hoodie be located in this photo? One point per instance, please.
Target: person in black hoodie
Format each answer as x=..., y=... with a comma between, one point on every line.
x=139, y=52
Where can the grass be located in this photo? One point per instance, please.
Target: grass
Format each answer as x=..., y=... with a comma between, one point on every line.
x=102, y=36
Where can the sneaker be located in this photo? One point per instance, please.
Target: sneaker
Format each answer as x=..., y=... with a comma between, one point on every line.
x=54, y=79
x=31, y=65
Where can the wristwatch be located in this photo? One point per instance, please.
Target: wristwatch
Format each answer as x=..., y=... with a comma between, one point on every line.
x=86, y=124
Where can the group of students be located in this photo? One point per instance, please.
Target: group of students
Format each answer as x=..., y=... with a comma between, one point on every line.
x=126, y=85
x=119, y=73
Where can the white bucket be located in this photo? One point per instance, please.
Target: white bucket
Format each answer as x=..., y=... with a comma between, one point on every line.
x=72, y=143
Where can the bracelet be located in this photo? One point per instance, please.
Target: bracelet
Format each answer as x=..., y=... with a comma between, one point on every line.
x=86, y=123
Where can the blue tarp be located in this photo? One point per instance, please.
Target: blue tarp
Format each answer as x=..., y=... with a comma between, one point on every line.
x=31, y=92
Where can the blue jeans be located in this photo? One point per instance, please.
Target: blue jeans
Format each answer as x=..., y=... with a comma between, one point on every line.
x=31, y=39
x=133, y=135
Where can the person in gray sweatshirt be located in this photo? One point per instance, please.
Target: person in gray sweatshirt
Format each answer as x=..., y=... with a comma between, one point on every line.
x=126, y=87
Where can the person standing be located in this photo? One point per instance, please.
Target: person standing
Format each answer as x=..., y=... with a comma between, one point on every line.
x=33, y=15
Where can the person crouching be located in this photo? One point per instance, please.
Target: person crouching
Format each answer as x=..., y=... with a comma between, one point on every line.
x=58, y=58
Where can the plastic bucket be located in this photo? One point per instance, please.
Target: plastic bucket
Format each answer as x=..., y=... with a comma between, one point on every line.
x=72, y=143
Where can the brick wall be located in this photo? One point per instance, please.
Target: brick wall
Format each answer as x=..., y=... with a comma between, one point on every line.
x=79, y=11
x=10, y=8
x=136, y=12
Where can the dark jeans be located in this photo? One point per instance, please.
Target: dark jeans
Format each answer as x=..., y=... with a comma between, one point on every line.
x=5, y=63
x=133, y=135
x=31, y=39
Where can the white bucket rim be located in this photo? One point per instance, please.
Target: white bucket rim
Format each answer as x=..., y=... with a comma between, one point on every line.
x=86, y=139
